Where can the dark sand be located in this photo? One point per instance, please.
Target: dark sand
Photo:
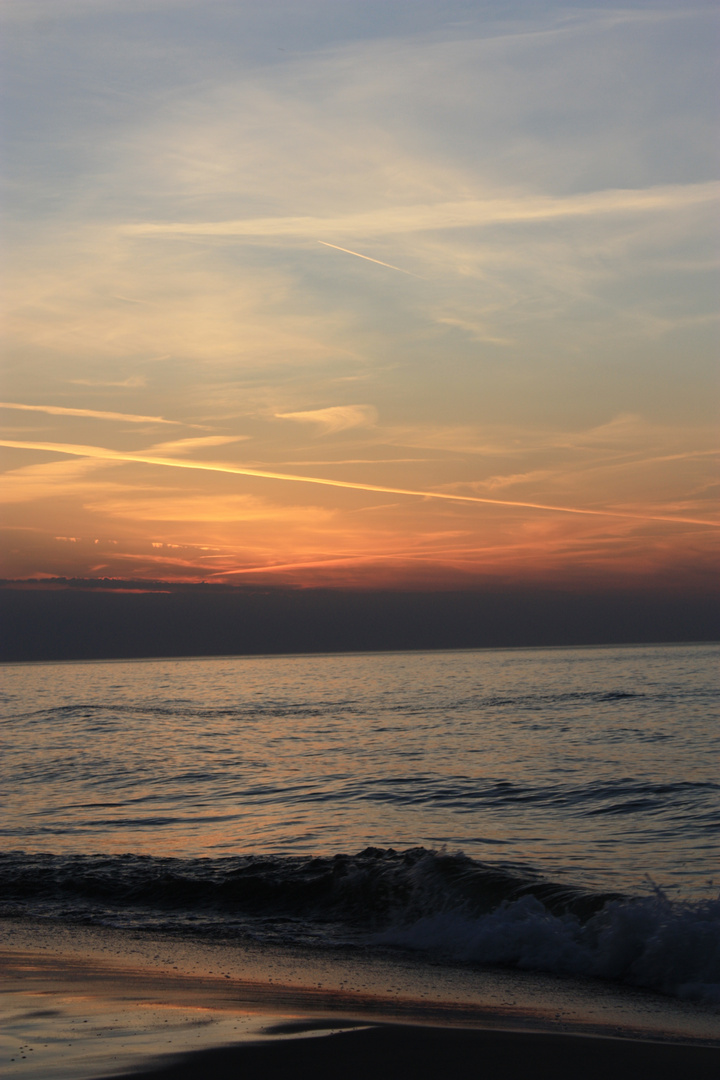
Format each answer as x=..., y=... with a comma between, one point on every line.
x=426, y=1053
x=89, y=1004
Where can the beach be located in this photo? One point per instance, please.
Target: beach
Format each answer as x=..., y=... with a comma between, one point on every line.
x=394, y=1050
x=94, y=1005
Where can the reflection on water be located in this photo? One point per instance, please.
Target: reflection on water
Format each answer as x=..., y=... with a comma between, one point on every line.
x=594, y=763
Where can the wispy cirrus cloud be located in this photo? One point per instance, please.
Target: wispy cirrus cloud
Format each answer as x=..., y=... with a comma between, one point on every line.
x=97, y=414
x=207, y=508
x=133, y=382
x=447, y=215
x=70, y=477
x=186, y=446
x=544, y=172
x=336, y=417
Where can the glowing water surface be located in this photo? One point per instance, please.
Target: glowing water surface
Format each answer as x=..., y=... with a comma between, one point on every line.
x=598, y=765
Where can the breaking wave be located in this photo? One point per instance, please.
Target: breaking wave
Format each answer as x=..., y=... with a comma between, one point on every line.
x=669, y=946
x=441, y=904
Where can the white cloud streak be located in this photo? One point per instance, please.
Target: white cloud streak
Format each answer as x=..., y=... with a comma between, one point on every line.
x=131, y=383
x=184, y=446
x=336, y=417
x=98, y=414
x=448, y=215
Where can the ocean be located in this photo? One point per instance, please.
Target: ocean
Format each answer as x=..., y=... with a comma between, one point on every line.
x=553, y=810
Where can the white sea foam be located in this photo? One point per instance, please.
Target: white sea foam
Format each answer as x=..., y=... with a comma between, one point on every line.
x=672, y=947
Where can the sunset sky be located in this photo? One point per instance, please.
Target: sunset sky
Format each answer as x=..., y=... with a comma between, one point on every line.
x=360, y=292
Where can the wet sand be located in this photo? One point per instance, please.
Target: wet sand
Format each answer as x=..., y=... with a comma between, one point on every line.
x=90, y=1005
x=426, y=1053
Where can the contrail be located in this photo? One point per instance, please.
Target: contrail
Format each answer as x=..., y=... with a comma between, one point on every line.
x=61, y=410
x=342, y=561
x=103, y=454
x=378, y=261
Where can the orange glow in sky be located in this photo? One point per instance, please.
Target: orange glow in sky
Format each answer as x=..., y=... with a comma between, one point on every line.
x=409, y=296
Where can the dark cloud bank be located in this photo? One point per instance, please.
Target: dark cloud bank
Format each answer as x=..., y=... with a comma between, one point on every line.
x=72, y=620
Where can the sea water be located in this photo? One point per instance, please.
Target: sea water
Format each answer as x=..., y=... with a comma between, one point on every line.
x=547, y=809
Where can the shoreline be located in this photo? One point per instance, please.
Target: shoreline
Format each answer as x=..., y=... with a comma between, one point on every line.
x=99, y=1003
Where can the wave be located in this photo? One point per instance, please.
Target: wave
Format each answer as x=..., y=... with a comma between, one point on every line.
x=365, y=890
x=669, y=946
x=111, y=710
x=441, y=904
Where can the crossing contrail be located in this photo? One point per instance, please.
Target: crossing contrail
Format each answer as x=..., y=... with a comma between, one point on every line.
x=102, y=453
x=378, y=261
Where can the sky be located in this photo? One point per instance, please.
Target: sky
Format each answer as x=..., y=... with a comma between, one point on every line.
x=360, y=293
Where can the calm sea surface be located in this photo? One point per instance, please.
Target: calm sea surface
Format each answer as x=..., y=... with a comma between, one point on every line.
x=412, y=796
